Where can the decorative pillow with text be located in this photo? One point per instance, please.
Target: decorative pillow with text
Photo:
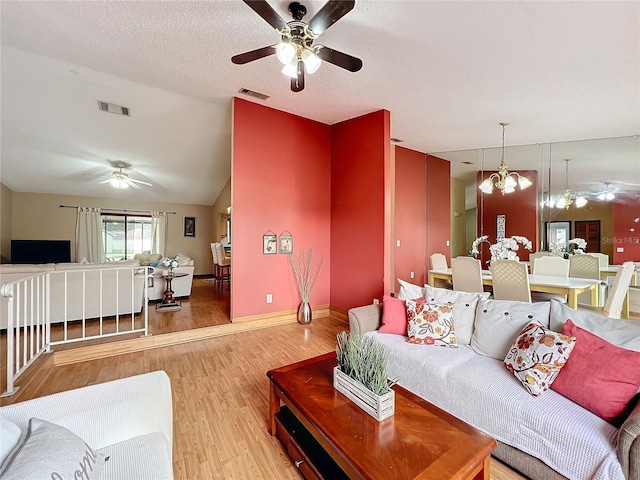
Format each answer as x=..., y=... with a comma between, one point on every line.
x=431, y=324
x=537, y=356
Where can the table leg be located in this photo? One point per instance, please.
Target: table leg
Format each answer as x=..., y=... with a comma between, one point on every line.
x=274, y=407
x=572, y=299
x=625, y=306
x=594, y=295
x=432, y=281
x=484, y=474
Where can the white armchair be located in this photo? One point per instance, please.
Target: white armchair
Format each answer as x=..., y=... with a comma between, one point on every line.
x=181, y=286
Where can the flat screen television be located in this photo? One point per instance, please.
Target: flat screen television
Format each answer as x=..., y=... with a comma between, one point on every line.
x=40, y=251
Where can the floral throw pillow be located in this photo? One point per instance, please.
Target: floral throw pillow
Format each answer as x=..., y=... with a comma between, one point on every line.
x=537, y=356
x=431, y=324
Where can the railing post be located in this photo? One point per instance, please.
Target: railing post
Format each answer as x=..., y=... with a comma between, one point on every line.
x=47, y=313
x=7, y=291
x=147, y=270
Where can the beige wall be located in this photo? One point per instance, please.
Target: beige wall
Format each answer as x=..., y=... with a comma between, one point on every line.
x=6, y=214
x=38, y=216
x=592, y=211
x=220, y=207
x=471, y=230
x=457, y=222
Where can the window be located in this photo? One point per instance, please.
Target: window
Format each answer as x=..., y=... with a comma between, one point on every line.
x=125, y=235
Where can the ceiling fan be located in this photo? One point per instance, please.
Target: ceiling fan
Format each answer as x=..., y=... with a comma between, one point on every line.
x=296, y=49
x=120, y=179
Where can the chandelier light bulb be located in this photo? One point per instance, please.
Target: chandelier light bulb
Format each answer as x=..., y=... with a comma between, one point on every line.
x=311, y=61
x=561, y=203
x=486, y=186
x=285, y=52
x=509, y=184
x=524, y=182
x=581, y=202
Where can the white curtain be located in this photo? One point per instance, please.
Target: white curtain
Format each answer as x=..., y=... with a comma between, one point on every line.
x=89, y=235
x=158, y=231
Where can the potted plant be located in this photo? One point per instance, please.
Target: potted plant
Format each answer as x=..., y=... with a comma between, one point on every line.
x=361, y=375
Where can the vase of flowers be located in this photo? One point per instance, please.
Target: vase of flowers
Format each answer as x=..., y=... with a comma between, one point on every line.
x=170, y=264
x=580, y=245
x=504, y=249
x=306, y=270
x=361, y=375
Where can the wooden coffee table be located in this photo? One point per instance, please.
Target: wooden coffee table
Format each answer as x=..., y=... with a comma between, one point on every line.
x=330, y=437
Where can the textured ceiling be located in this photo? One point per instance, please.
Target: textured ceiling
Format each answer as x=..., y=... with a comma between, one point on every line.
x=447, y=71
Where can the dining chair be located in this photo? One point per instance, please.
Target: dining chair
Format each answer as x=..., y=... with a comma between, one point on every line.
x=466, y=274
x=510, y=280
x=224, y=266
x=439, y=261
x=535, y=256
x=586, y=266
x=551, y=266
x=602, y=258
x=214, y=253
x=617, y=293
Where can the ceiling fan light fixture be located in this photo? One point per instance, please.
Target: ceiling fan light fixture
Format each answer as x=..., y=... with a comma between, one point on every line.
x=311, y=61
x=581, y=202
x=119, y=183
x=291, y=69
x=606, y=196
x=285, y=52
x=561, y=203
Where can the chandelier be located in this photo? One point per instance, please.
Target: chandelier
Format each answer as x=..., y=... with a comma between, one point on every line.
x=568, y=198
x=504, y=180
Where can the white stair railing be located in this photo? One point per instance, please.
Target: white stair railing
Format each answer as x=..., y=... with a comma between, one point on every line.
x=52, y=304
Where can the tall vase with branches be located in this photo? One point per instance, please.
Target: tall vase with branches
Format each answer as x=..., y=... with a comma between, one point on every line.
x=306, y=270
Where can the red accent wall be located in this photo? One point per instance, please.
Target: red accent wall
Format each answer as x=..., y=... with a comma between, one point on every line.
x=410, y=216
x=438, y=208
x=521, y=210
x=360, y=154
x=624, y=215
x=281, y=181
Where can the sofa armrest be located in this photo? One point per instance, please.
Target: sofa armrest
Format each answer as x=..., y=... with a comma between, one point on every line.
x=365, y=319
x=105, y=413
x=629, y=445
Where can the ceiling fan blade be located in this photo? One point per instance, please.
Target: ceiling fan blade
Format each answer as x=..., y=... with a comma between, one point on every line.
x=132, y=184
x=140, y=181
x=340, y=59
x=329, y=14
x=266, y=11
x=297, y=84
x=247, y=57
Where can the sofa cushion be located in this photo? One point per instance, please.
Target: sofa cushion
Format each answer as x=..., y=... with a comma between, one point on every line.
x=394, y=316
x=142, y=457
x=145, y=259
x=430, y=324
x=600, y=376
x=409, y=291
x=537, y=356
x=26, y=268
x=464, y=311
x=498, y=323
x=96, y=266
x=183, y=260
x=47, y=450
x=622, y=333
x=10, y=434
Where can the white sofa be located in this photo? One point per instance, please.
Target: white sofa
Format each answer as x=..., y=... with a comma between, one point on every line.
x=82, y=298
x=546, y=437
x=181, y=285
x=130, y=421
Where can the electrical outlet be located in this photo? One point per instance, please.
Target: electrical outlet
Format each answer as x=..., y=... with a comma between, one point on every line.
x=376, y=301
x=269, y=297
x=397, y=243
x=620, y=249
x=412, y=275
x=447, y=243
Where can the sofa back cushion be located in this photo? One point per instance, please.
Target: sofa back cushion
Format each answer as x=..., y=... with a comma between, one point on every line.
x=409, y=291
x=464, y=308
x=499, y=322
x=145, y=259
x=622, y=333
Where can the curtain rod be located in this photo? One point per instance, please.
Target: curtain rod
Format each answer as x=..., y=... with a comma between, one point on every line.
x=119, y=210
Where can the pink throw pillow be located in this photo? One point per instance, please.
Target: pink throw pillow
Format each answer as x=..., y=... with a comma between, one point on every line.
x=394, y=316
x=598, y=375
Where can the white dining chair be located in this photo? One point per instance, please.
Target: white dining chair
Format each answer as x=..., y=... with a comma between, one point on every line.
x=551, y=266
x=586, y=266
x=535, y=256
x=510, y=280
x=466, y=274
x=603, y=259
x=439, y=261
x=615, y=299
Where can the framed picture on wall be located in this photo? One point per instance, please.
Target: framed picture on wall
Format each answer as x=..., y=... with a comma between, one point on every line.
x=189, y=226
x=269, y=243
x=286, y=242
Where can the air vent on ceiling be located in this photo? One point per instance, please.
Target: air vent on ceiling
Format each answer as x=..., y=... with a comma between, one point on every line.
x=113, y=108
x=468, y=163
x=254, y=94
x=396, y=140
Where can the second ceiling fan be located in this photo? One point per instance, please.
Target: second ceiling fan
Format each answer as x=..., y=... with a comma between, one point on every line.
x=296, y=50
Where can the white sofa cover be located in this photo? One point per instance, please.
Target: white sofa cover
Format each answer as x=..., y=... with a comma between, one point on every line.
x=101, y=281
x=130, y=420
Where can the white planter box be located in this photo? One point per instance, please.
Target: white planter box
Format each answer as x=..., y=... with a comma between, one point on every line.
x=379, y=407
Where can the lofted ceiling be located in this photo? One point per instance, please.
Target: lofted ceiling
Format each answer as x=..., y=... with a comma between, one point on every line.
x=448, y=72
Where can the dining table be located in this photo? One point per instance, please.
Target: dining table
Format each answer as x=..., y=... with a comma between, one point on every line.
x=569, y=286
x=612, y=271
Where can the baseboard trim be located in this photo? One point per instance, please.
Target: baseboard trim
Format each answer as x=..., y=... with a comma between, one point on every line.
x=32, y=378
x=339, y=314
x=318, y=312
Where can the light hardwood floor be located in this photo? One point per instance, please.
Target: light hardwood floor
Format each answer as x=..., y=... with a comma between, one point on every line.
x=220, y=397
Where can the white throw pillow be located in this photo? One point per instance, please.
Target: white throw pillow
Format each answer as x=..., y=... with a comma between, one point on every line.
x=622, y=333
x=499, y=322
x=464, y=311
x=50, y=451
x=409, y=291
x=10, y=434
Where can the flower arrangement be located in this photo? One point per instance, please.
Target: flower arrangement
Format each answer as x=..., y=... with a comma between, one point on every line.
x=306, y=270
x=364, y=360
x=170, y=263
x=580, y=244
x=503, y=249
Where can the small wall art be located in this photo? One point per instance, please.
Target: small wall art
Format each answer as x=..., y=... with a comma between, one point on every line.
x=269, y=243
x=286, y=242
x=189, y=226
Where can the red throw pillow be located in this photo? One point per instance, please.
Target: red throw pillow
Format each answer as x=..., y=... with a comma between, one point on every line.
x=394, y=316
x=598, y=375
